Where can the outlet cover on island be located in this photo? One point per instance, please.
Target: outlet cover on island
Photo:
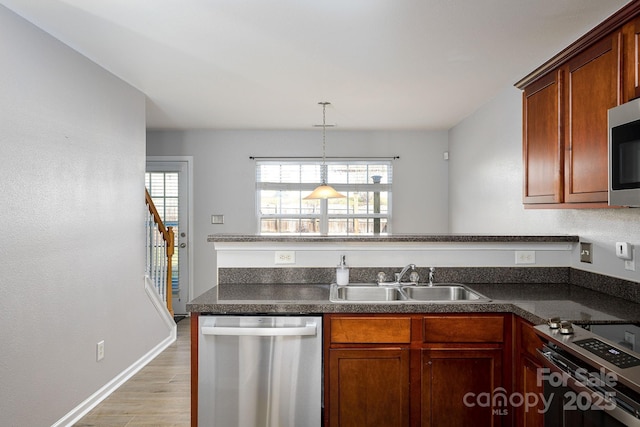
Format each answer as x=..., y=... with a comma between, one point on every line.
x=525, y=257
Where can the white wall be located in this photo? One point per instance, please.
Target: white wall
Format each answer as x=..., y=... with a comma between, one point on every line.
x=224, y=177
x=390, y=254
x=485, y=181
x=72, y=139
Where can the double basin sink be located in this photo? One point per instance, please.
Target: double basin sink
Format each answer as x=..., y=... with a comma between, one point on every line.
x=372, y=292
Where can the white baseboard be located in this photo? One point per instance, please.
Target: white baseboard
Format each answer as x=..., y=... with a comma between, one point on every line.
x=92, y=401
x=160, y=305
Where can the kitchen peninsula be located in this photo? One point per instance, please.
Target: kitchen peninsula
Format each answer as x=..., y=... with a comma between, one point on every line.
x=492, y=338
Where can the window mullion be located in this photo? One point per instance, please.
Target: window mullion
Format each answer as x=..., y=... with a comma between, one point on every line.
x=324, y=222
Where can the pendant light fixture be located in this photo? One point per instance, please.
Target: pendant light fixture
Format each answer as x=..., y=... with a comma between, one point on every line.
x=324, y=191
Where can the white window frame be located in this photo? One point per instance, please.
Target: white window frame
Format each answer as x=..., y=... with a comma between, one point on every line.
x=324, y=217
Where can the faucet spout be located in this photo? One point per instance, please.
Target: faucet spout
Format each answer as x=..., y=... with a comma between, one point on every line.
x=399, y=276
x=432, y=275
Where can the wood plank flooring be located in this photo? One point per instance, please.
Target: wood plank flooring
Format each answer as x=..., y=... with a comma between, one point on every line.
x=159, y=395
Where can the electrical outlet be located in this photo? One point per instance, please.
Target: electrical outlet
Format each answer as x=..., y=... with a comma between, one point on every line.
x=285, y=257
x=525, y=257
x=100, y=351
x=630, y=265
x=586, y=252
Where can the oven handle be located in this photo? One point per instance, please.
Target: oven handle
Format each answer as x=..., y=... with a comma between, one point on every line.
x=573, y=382
x=603, y=402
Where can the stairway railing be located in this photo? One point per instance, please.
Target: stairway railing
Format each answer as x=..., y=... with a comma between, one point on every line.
x=159, y=253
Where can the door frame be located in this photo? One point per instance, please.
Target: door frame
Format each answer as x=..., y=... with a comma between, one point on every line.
x=189, y=176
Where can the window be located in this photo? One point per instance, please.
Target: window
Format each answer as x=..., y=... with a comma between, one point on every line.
x=163, y=189
x=282, y=185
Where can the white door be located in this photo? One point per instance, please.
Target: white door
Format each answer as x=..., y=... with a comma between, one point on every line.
x=168, y=184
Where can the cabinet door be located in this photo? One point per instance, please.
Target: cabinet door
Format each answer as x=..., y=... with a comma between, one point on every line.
x=542, y=140
x=526, y=371
x=369, y=387
x=592, y=87
x=534, y=416
x=631, y=60
x=459, y=385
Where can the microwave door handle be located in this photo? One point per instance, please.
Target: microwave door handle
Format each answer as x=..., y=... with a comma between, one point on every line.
x=308, y=329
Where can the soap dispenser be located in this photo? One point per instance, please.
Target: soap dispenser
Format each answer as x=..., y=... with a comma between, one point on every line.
x=342, y=272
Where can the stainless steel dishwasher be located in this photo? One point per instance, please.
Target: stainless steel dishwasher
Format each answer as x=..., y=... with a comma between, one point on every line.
x=256, y=371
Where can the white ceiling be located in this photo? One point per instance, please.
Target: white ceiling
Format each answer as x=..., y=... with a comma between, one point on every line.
x=265, y=64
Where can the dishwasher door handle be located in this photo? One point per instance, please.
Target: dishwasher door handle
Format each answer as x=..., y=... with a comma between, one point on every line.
x=308, y=329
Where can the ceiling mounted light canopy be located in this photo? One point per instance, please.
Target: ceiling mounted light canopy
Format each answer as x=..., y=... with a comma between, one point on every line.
x=324, y=191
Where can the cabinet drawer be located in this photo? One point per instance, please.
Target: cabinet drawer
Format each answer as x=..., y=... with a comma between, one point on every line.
x=366, y=330
x=463, y=329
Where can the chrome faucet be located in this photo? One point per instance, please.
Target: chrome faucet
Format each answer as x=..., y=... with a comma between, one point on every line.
x=399, y=276
x=432, y=275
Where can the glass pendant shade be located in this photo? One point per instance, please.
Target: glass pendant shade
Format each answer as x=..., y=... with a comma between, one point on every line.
x=324, y=191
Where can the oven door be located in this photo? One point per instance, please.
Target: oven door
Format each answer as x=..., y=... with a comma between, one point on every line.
x=570, y=403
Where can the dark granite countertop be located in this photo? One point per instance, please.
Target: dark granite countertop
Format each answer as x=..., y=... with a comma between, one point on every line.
x=394, y=238
x=534, y=302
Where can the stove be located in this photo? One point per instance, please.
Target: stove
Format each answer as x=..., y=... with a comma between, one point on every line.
x=591, y=374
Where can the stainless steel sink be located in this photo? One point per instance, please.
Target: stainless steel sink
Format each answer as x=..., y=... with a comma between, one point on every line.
x=366, y=293
x=442, y=292
x=371, y=292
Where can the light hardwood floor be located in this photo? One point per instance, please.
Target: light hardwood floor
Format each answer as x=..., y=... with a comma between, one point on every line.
x=158, y=395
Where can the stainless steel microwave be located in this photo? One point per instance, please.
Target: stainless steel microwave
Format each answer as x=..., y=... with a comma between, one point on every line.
x=624, y=154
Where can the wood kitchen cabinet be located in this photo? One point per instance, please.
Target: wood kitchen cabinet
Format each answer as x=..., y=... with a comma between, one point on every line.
x=369, y=387
x=565, y=103
x=415, y=370
x=454, y=382
x=631, y=60
x=462, y=368
x=543, y=149
x=565, y=128
x=592, y=88
x=368, y=370
x=527, y=369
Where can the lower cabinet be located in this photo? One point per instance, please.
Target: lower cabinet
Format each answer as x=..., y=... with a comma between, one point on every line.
x=527, y=372
x=369, y=387
x=417, y=370
x=458, y=387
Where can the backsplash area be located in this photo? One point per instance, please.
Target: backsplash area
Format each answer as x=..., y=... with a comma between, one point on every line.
x=467, y=275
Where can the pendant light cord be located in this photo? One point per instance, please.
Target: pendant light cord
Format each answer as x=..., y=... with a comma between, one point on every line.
x=323, y=172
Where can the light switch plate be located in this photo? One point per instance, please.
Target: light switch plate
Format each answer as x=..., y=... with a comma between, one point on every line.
x=217, y=219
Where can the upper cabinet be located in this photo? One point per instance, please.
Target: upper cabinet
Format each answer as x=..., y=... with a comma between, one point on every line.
x=565, y=105
x=631, y=59
x=542, y=140
x=592, y=87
